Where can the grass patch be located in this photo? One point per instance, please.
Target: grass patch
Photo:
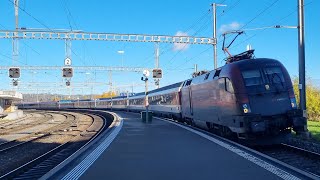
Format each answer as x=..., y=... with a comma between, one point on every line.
x=314, y=129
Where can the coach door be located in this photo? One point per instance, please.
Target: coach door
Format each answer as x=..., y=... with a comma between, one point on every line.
x=186, y=100
x=190, y=101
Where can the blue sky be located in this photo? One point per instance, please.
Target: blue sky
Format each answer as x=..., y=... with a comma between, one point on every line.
x=165, y=17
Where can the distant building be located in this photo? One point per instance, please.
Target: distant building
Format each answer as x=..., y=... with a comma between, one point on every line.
x=7, y=109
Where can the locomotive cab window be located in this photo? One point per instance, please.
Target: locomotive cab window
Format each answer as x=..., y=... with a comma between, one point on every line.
x=252, y=77
x=274, y=75
x=226, y=84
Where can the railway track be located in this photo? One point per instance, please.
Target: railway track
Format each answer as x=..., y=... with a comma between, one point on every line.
x=14, y=137
x=4, y=123
x=6, y=146
x=25, y=123
x=305, y=160
x=41, y=164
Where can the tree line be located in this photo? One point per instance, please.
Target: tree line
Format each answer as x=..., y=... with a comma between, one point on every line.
x=313, y=99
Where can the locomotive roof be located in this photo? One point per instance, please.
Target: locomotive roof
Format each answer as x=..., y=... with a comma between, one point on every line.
x=254, y=62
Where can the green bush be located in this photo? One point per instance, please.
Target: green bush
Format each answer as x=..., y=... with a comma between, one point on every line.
x=313, y=99
x=314, y=129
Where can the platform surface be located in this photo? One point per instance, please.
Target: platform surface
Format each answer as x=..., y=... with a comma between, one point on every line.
x=162, y=150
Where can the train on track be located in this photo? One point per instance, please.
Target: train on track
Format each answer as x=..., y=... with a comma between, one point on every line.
x=250, y=99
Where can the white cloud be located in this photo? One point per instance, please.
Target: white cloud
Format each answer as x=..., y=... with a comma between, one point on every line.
x=180, y=46
x=228, y=27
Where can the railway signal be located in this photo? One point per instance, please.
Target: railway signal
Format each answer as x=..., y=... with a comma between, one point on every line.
x=67, y=72
x=68, y=83
x=15, y=82
x=14, y=72
x=157, y=73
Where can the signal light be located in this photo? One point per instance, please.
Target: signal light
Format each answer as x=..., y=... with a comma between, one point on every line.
x=15, y=83
x=14, y=72
x=157, y=73
x=67, y=72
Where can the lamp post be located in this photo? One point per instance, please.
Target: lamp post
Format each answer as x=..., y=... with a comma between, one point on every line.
x=121, y=52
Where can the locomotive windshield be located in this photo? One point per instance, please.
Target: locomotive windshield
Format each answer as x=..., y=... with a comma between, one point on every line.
x=252, y=77
x=274, y=75
x=256, y=79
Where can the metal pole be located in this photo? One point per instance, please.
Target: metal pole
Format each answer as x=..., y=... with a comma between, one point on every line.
x=15, y=40
x=147, y=101
x=111, y=88
x=214, y=34
x=37, y=95
x=16, y=12
x=127, y=101
x=156, y=55
x=68, y=48
x=214, y=13
x=132, y=88
x=157, y=81
x=195, y=68
x=302, y=73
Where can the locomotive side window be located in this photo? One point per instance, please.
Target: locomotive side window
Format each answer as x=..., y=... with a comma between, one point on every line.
x=188, y=82
x=252, y=77
x=217, y=73
x=222, y=84
x=274, y=75
x=229, y=86
x=206, y=77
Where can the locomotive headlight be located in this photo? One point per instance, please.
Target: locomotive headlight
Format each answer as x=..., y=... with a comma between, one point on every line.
x=293, y=103
x=246, y=108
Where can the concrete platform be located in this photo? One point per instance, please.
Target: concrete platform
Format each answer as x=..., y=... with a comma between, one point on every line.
x=163, y=150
